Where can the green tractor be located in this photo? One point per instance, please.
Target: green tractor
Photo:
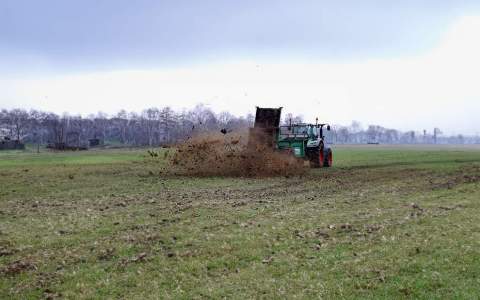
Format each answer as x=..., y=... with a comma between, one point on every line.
x=304, y=141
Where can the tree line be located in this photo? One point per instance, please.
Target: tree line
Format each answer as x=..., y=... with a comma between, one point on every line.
x=163, y=126
x=373, y=134
x=152, y=127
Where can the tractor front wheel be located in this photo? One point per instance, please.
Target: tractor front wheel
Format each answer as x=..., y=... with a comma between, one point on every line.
x=317, y=158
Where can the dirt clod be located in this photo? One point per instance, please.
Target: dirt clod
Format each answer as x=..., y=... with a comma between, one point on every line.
x=106, y=254
x=50, y=295
x=416, y=206
x=5, y=251
x=267, y=260
x=17, y=267
x=139, y=257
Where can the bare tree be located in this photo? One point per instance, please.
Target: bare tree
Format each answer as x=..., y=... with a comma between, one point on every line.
x=167, y=122
x=204, y=119
x=292, y=119
x=18, y=121
x=225, y=118
x=436, y=133
x=121, y=121
x=342, y=134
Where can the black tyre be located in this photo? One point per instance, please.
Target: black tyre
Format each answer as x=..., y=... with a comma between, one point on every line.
x=328, y=158
x=317, y=157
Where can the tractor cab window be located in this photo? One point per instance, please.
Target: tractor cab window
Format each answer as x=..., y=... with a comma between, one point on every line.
x=311, y=131
x=314, y=132
x=328, y=134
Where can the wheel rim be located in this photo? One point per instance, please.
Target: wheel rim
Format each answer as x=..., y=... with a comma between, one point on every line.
x=330, y=158
x=321, y=158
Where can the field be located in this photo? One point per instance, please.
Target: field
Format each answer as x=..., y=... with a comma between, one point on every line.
x=385, y=222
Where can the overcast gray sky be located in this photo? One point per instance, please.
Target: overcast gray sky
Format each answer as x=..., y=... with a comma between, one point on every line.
x=402, y=64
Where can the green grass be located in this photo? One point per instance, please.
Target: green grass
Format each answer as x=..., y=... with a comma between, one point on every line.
x=27, y=158
x=385, y=222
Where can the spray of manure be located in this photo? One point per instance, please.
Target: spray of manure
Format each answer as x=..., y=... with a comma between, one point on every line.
x=231, y=155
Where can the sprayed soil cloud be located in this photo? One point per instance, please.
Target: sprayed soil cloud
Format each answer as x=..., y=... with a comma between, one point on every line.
x=232, y=155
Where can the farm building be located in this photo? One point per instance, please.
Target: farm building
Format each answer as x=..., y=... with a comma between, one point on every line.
x=8, y=144
x=95, y=142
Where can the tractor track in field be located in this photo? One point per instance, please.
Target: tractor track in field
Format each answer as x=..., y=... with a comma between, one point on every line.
x=311, y=186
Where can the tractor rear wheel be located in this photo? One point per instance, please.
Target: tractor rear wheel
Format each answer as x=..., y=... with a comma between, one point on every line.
x=328, y=158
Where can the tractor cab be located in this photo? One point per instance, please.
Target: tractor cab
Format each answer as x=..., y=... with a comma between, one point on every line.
x=303, y=140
